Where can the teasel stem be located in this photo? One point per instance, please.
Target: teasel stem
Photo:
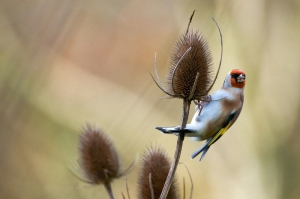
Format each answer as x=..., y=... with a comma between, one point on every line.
x=185, y=116
x=180, y=138
x=186, y=89
x=109, y=190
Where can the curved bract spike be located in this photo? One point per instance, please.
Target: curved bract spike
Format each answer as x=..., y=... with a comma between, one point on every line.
x=151, y=186
x=127, y=189
x=189, y=49
x=160, y=86
x=220, y=57
x=156, y=72
x=190, y=176
x=81, y=177
x=188, y=27
x=194, y=87
x=130, y=167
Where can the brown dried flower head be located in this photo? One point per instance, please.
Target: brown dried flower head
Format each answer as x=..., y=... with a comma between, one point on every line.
x=190, y=57
x=98, y=158
x=190, y=75
x=153, y=174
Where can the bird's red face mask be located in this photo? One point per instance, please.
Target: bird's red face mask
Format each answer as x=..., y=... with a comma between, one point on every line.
x=238, y=78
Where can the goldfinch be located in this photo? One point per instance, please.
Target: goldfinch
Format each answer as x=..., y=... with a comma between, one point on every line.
x=216, y=116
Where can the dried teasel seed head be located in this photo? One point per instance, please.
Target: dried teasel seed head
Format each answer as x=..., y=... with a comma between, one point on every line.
x=98, y=158
x=191, y=56
x=156, y=163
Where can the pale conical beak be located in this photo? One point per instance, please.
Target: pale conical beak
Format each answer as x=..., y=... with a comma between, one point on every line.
x=241, y=78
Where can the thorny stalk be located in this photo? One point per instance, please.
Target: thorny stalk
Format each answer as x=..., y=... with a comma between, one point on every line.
x=180, y=138
x=185, y=115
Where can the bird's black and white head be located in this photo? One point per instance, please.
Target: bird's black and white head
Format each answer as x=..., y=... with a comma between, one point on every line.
x=236, y=78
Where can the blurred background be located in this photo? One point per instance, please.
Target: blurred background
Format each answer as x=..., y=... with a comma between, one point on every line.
x=67, y=63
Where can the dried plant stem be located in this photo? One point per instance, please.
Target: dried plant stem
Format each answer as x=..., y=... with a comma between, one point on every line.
x=109, y=190
x=185, y=115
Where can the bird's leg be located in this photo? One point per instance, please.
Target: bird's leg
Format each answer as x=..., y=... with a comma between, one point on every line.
x=206, y=98
x=197, y=103
x=200, y=103
x=200, y=109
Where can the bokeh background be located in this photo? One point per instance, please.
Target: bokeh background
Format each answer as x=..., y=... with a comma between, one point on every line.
x=67, y=63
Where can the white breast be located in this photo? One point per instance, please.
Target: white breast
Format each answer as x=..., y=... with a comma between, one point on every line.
x=210, y=113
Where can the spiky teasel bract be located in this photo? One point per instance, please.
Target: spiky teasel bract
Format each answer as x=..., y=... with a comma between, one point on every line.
x=153, y=174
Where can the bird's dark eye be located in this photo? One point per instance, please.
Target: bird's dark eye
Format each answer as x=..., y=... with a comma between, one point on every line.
x=235, y=75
